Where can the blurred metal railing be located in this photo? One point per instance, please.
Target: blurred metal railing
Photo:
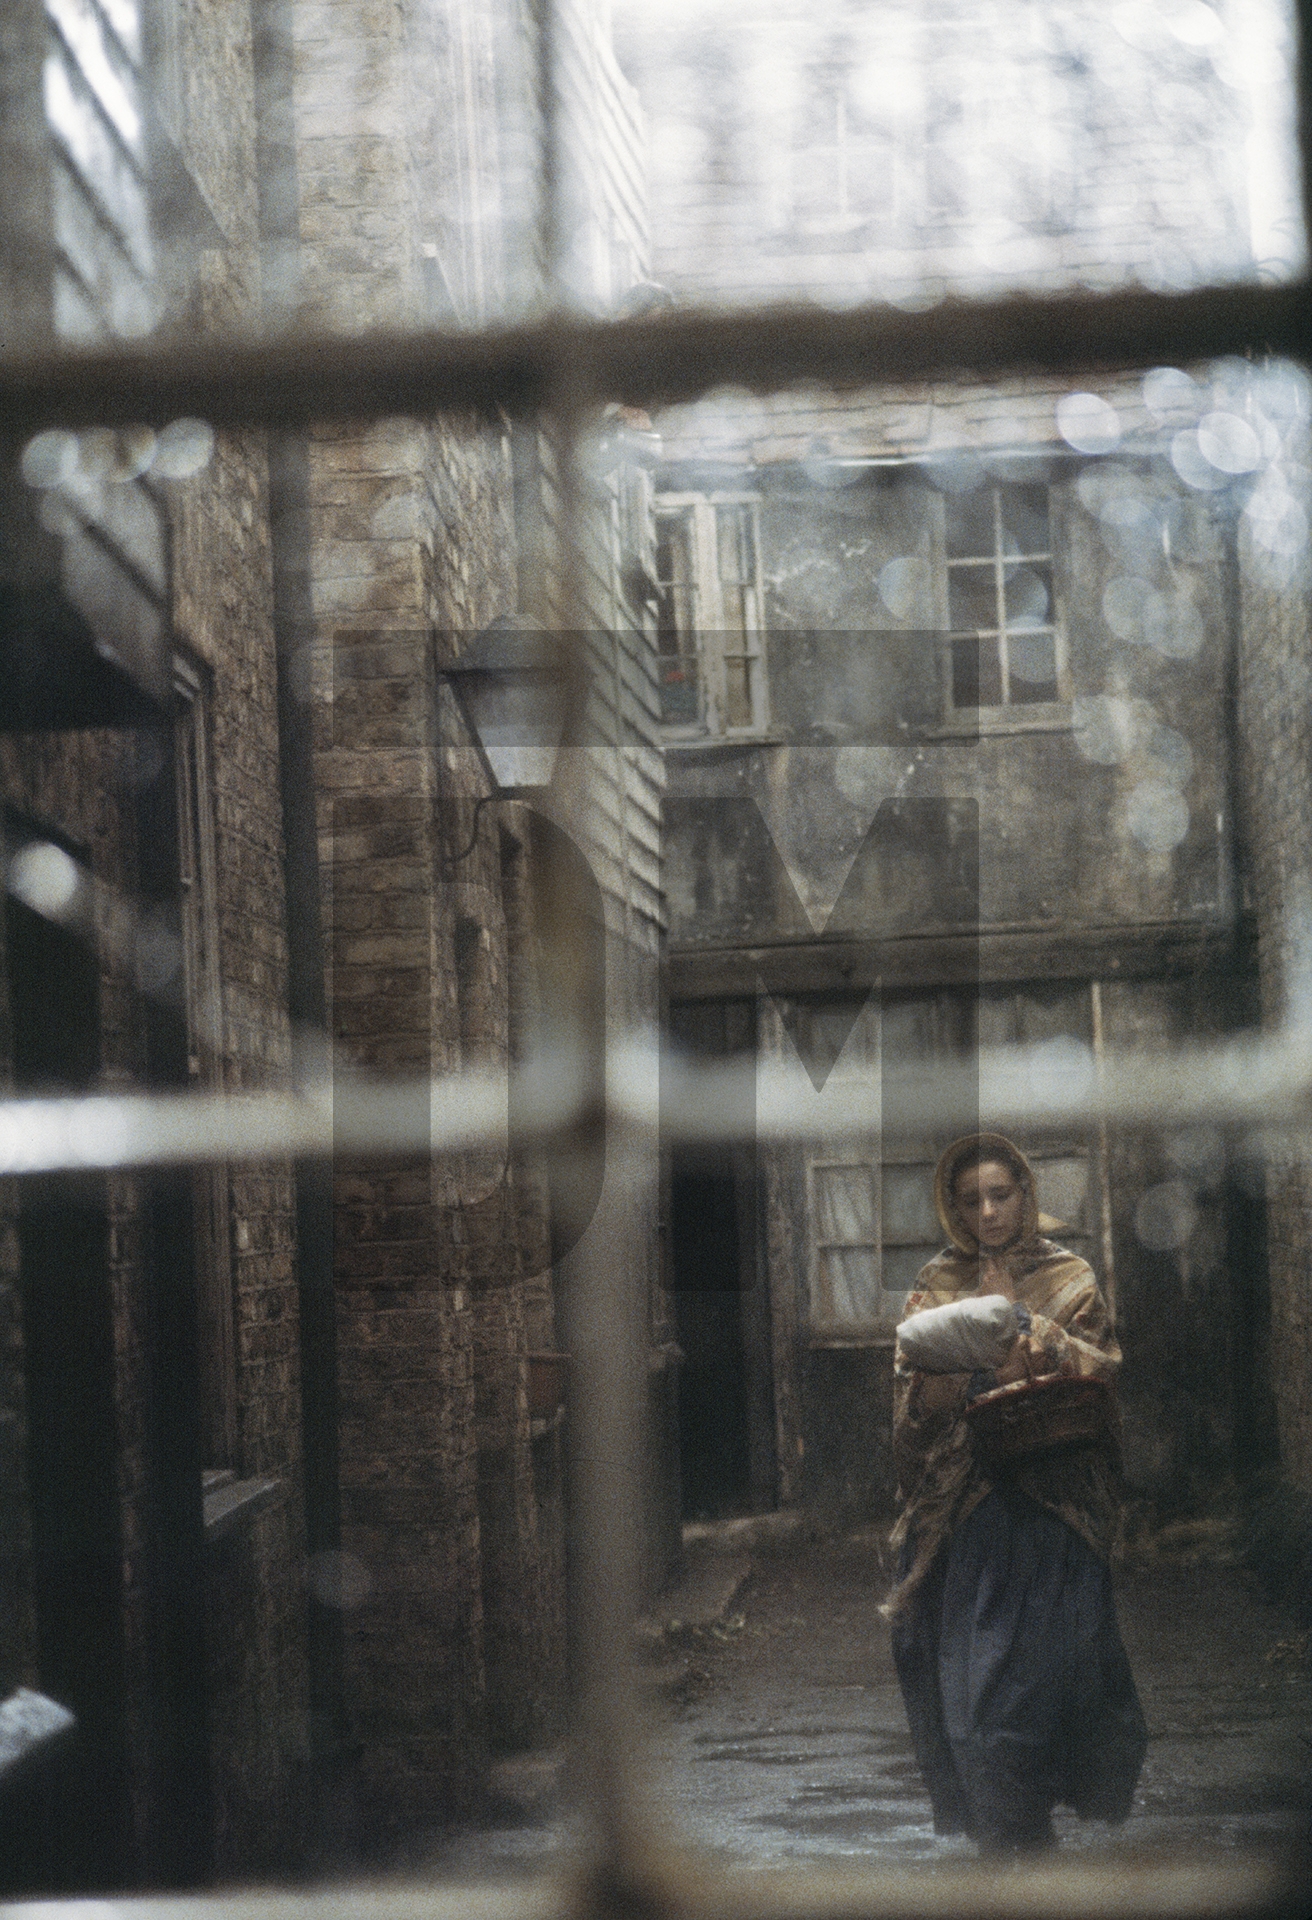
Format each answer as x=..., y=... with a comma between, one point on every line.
x=678, y=356
x=1262, y=1086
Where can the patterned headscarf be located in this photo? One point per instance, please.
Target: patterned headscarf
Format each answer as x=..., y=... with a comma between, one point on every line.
x=975, y=1150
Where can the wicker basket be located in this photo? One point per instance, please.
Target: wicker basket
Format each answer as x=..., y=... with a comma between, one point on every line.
x=1028, y=1418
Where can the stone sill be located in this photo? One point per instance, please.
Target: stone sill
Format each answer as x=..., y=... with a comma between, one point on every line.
x=1054, y=717
x=859, y=1341
x=229, y=1503
x=677, y=742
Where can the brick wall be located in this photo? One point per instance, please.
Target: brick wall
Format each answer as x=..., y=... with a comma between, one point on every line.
x=452, y=1498
x=223, y=614
x=152, y=561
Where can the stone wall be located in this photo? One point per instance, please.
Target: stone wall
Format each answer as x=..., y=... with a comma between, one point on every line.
x=1273, y=686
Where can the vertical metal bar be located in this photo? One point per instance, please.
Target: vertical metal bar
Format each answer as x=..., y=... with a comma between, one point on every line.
x=1303, y=90
x=603, y=1328
x=604, y=1317
x=550, y=209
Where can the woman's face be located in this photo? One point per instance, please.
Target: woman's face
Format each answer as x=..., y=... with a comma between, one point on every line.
x=991, y=1202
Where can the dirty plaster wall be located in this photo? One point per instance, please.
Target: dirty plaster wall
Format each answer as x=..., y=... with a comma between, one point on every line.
x=856, y=720
x=1102, y=870
x=865, y=840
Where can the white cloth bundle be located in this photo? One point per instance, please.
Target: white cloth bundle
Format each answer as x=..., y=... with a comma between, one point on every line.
x=964, y=1335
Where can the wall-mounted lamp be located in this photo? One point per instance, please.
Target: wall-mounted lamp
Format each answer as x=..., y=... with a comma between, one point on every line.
x=511, y=689
x=510, y=685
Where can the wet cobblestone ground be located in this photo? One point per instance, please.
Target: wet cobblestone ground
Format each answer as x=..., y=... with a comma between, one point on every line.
x=781, y=1737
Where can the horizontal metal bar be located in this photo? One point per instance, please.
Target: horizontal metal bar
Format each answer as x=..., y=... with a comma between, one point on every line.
x=298, y=378
x=1264, y=1086
x=1208, y=1887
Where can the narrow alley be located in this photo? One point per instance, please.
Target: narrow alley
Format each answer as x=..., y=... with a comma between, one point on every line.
x=781, y=1737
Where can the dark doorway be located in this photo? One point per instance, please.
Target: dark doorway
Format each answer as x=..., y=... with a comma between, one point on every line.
x=714, y=1456
x=69, y=1825
x=726, y=1398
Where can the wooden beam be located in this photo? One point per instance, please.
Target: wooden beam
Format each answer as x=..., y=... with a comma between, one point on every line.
x=1149, y=950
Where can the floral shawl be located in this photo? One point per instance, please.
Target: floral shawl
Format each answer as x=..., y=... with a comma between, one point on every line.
x=938, y=1478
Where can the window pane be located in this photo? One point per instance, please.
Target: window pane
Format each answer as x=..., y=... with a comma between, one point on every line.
x=734, y=545
x=680, y=678
x=968, y=521
x=908, y=1205
x=845, y=1203
x=675, y=619
x=736, y=605
x=900, y=1267
x=847, y=1285
x=1025, y=519
x=676, y=614
x=1027, y=596
x=737, y=692
x=976, y=674
x=1031, y=668
x=972, y=599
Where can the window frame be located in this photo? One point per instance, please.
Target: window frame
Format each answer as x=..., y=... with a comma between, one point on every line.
x=860, y=1059
x=826, y=1330
x=1005, y=716
x=708, y=635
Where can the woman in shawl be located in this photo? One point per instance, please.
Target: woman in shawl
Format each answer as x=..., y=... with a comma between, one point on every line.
x=1017, y=1688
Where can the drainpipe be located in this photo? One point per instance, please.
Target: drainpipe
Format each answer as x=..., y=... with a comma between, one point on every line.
x=289, y=500
x=178, y=1842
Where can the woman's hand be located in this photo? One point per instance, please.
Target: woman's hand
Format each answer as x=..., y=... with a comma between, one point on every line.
x=1025, y=1359
x=995, y=1277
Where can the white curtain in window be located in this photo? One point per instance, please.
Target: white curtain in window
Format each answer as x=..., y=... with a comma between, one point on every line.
x=847, y=1254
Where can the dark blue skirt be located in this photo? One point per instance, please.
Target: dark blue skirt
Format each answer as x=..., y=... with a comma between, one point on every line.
x=1017, y=1686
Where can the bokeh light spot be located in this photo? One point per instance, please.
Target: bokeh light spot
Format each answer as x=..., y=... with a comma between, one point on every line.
x=904, y=586
x=338, y=1580
x=1157, y=815
x=1088, y=423
x=184, y=448
x=49, y=458
x=1191, y=464
x=1228, y=443
x=45, y=879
